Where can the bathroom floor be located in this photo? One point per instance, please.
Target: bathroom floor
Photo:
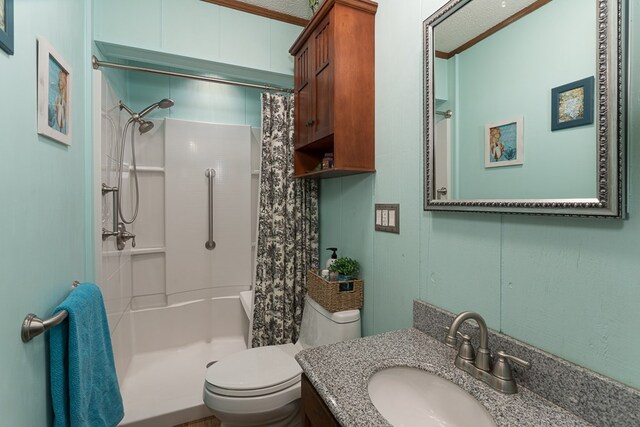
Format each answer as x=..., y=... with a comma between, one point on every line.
x=164, y=388
x=205, y=422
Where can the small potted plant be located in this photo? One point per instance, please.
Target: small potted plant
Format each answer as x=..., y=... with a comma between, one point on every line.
x=346, y=268
x=313, y=5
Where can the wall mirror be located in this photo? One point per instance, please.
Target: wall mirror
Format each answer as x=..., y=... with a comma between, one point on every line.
x=524, y=107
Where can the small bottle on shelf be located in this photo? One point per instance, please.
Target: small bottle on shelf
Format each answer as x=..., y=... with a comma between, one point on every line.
x=327, y=161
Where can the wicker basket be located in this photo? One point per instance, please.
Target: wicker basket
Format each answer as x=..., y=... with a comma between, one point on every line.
x=335, y=296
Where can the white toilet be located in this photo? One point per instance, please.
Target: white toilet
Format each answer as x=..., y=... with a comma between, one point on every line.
x=261, y=386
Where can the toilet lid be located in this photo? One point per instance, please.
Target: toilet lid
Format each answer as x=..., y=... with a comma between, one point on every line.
x=255, y=372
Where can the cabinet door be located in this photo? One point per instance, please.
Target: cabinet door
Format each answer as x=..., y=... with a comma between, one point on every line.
x=314, y=412
x=302, y=98
x=322, y=99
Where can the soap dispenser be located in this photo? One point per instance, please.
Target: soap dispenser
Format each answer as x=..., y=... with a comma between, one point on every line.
x=334, y=257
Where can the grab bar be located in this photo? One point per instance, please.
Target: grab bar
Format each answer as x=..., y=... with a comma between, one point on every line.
x=32, y=326
x=114, y=228
x=210, y=244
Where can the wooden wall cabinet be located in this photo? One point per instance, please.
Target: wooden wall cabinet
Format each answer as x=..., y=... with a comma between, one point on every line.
x=313, y=410
x=334, y=90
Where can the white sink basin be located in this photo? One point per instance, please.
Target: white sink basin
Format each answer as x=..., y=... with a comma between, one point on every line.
x=413, y=397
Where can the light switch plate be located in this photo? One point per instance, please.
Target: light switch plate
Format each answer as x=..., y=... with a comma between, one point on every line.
x=387, y=218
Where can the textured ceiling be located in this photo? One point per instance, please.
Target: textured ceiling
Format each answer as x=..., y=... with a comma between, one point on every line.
x=299, y=8
x=472, y=20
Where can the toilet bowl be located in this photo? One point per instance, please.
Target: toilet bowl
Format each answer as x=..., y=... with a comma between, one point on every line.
x=261, y=386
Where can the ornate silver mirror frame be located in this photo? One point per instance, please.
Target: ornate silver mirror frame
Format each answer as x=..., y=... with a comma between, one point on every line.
x=610, y=121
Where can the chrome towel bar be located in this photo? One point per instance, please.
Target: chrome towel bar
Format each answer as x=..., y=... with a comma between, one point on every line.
x=32, y=326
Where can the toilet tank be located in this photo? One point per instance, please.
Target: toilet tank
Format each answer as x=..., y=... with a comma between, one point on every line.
x=321, y=327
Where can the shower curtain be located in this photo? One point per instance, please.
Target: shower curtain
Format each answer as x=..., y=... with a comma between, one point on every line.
x=287, y=230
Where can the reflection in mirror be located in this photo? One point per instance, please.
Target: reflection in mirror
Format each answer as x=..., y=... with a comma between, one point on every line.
x=512, y=120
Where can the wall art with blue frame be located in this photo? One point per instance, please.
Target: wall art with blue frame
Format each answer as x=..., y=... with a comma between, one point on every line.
x=572, y=104
x=6, y=26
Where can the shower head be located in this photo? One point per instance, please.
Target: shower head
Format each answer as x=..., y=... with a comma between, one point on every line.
x=145, y=126
x=165, y=103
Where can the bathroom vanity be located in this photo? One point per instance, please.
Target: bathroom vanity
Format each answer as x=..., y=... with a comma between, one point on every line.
x=340, y=373
x=313, y=410
x=553, y=392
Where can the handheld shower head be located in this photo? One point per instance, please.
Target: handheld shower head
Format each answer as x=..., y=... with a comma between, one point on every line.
x=165, y=103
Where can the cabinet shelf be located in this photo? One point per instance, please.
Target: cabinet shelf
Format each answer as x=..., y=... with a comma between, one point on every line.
x=334, y=172
x=324, y=145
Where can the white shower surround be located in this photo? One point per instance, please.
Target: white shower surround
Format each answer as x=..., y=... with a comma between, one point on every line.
x=165, y=329
x=191, y=149
x=169, y=348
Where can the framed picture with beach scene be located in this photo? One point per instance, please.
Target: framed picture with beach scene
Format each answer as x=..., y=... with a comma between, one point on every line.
x=504, y=145
x=6, y=26
x=54, y=94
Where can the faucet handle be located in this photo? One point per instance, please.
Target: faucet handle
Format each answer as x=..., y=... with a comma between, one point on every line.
x=463, y=336
x=454, y=342
x=514, y=359
x=466, y=350
x=502, y=368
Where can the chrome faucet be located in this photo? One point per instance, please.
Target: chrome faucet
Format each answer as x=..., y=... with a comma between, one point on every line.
x=483, y=359
x=479, y=365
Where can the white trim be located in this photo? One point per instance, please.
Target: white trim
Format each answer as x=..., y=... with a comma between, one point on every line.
x=97, y=176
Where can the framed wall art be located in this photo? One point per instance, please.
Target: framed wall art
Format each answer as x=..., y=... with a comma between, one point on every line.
x=504, y=145
x=6, y=26
x=572, y=104
x=54, y=94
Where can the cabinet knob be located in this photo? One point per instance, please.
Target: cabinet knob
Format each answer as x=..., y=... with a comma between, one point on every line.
x=309, y=123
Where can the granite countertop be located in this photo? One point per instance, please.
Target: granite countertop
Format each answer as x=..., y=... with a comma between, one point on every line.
x=340, y=373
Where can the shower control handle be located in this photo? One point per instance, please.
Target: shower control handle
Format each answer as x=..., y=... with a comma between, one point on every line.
x=124, y=236
x=210, y=244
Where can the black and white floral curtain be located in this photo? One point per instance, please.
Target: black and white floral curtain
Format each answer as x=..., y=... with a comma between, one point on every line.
x=287, y=230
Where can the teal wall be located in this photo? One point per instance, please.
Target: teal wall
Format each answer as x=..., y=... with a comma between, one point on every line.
x=502, y=72
x=567, y=285
x=46, y=219
x=195, y=100
x=228, y=43
x=197, y=31
x=43, y=220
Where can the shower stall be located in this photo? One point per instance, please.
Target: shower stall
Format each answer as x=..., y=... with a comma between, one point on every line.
x=181, y=298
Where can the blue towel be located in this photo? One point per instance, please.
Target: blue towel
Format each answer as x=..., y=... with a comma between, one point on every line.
x=84, y=386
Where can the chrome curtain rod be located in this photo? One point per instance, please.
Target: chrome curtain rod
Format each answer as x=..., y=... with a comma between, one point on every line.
x=447, y=114
x=97, y=64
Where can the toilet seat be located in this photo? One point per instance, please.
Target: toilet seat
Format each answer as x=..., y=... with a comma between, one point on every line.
x=255, y=372
x=254, y=392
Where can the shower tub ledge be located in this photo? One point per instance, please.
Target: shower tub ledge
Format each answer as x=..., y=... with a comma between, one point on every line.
x=163, y=382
